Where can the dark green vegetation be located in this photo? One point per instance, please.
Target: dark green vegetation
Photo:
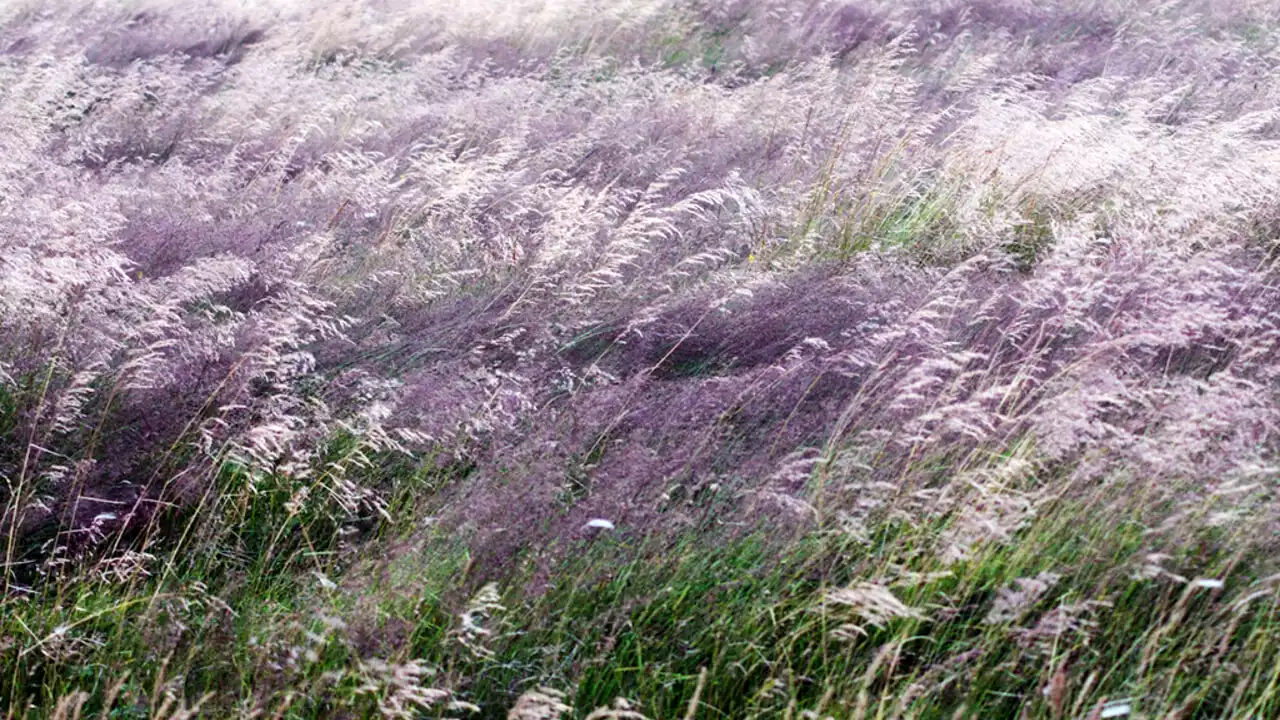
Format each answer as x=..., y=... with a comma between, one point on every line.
x=1055, y=622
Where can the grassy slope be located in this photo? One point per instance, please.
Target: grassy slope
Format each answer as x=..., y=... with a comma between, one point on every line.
x=250, y=596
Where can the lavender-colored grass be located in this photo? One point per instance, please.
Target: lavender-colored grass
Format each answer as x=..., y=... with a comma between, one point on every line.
x=837, y=262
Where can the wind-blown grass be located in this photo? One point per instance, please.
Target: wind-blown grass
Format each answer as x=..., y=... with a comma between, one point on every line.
x=642, y=359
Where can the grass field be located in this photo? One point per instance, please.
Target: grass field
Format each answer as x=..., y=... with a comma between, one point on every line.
x=640, y=359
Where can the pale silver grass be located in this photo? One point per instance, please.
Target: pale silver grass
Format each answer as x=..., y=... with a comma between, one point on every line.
x=540, y=703
x=401, y=689
x=622, y=709
x=484, y=609
x=865, y=605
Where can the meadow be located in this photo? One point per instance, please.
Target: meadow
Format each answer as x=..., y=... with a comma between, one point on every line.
x=640, y=359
